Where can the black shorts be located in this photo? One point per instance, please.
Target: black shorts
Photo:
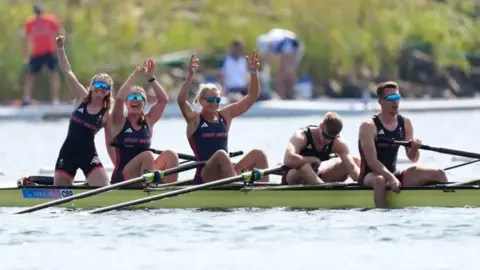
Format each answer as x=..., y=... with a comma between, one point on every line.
x=36, y=62
x=71, y=159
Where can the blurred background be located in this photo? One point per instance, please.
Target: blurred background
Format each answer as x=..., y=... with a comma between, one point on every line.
x=432, y=48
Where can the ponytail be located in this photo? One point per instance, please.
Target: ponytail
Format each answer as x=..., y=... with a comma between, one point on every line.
x=142, y=120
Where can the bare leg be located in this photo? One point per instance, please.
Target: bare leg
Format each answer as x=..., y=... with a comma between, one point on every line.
x=253, y=159
x=55, y=86
x=336, y=171
x=379, y=185
x=138, y=165
x=305, y=175
x=419, y=176
x=61, y=178
x=219, y=166
x=166, y=160
x=28, y=84
x=98, y=177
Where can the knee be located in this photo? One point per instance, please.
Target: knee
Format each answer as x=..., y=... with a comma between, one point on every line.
x=379, y=182
x=258, y=153
x=357, y=160
x=147, y=156
x=220, y=155
x=170, y=153
x=305, y=168
x=440, y=175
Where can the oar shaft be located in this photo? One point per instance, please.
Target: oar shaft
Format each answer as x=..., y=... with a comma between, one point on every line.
x=110, y=187
x=182, y=191
x=441, y=150
x=180, y=155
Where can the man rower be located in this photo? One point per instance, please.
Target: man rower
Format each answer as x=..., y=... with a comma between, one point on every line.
x=288, y=49
x=379, y=158
x=207, y=131
x=310, y=146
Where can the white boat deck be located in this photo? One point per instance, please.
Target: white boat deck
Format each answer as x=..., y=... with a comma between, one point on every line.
x=270, y=108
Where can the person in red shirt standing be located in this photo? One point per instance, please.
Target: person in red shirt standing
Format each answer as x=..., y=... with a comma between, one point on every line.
x=41, y=30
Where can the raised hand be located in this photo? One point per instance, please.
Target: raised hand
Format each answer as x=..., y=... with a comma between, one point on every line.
x=253, y=62
x=60, y=41
x=150, y=68
x=193, y=65
x=141, y=68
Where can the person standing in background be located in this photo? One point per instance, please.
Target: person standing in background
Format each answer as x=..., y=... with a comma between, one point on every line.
x=234, y=72
x=41, y=31
x=286, y=48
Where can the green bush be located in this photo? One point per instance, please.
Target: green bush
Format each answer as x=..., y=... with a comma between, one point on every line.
x=340, y=36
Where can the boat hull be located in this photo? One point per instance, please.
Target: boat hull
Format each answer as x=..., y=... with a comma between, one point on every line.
x=305, y=197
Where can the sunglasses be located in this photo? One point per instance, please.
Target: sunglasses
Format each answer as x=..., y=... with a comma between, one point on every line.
x=328, y=137
x=135, y=96
x=393, y=97
x=101, y=85
x=212, y=99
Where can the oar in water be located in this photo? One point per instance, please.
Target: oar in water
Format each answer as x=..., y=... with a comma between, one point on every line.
x=151, y=177
x=248, y=177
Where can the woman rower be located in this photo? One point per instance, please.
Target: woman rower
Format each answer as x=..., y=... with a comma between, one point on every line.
x=90, y=115
x=207, y=131
x=133, y=134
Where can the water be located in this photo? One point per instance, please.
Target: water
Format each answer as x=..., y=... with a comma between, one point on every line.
x=417, y=238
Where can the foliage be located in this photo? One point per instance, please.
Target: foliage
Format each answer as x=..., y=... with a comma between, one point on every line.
x=339, y=35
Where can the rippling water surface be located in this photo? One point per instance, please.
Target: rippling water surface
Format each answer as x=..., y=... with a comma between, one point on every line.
x=416, y=238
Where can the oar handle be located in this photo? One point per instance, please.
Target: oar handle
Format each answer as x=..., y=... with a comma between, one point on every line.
x=439, y=149
x=180, y=155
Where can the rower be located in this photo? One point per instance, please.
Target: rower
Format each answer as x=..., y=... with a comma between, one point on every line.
x=90, y=115
x=310, y=146
x=285, y=47
x=207, y=131
x=133, y=133
x=379, y=159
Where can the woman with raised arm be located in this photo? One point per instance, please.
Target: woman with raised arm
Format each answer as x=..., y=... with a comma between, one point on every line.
x=207, y=131
x=90, y=115
x=133, y=134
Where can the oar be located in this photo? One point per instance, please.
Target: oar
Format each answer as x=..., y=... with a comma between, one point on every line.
x=461, y=165
x=248, y=177
x=148, y=177
x=151, y=177
x=438, y=149
x=186, y=157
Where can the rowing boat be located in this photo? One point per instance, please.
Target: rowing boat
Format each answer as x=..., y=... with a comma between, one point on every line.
x=337, y=196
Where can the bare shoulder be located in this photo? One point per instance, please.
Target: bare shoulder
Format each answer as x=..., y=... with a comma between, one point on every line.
x=367, y=125
x=407, y=120
x=340, y=146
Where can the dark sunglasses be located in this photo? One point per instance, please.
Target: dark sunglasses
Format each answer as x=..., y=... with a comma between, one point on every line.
x=101, y=85
x=135, y=96
x=212, y=99
x=393, y=97
x=328, y=137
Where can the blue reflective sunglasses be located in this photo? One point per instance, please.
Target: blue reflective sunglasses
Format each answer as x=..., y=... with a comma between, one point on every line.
x=101, y=85
x=212, y=99
x=135, y=96
x=393, y=97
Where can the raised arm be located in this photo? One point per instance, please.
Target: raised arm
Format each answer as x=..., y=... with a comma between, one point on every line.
x=413, y=153
x=242, y=106
x=187, y=111
x=158, y=108
x=118, y=106
x=344, y=153
x=367, y=141
x=75, y=86
x=292, y=157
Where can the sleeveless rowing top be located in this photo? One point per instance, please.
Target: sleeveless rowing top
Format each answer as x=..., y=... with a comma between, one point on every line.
x=386, y=152
x=131, y=143
x=83, y=126
x=310, y=149
x=208, y=138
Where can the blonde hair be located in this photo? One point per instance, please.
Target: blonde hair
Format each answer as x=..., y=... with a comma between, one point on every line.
x=333, y=123
x=138, y=88
x=204, y=87
x=103, y=77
